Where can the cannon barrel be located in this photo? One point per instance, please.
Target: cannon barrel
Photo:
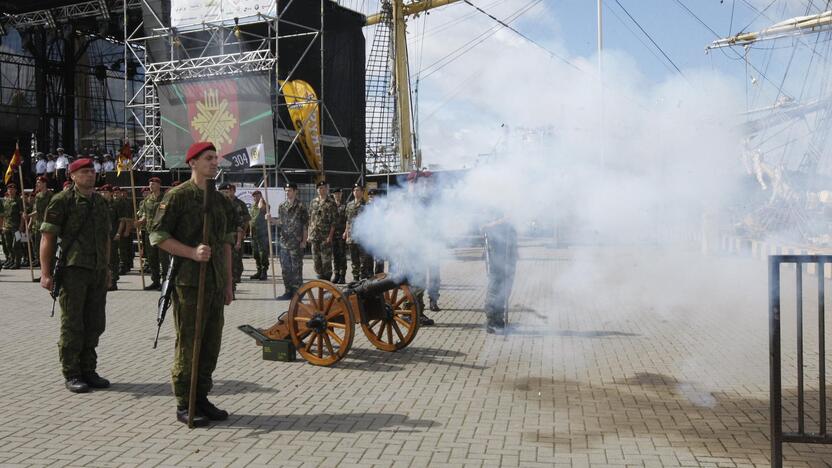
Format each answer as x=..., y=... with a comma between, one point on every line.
x=374, y=287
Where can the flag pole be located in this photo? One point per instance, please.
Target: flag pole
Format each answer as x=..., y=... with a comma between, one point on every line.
x=268, y=221
x=26, y=224
x=139, y=239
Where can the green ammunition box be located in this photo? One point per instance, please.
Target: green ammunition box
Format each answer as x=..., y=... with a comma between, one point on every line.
x=278, y=350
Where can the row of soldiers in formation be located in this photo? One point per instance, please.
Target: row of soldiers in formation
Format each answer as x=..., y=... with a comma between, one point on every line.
x=82, y=221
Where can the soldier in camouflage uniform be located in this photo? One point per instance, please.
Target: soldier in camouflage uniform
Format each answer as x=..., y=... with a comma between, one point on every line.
x=241, y=220
x=259, y=235
x=12, y=214
x=156, y=258
x=322, y=212
x=292, y=220
x=42, y=198
x=106, y=192
x=177, y=229
x=79, y=217
x=362, y=263
x=339, y=245
x=25, y=245
x=501, y=258
x=124, y=236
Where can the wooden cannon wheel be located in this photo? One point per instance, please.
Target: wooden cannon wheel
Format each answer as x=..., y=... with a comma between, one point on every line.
x=400, y=323
x=320, y=323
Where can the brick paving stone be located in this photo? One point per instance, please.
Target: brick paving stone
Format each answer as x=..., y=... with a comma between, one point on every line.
x=671, y=370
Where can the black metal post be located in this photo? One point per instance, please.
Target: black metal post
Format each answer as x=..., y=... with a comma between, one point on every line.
x=822, y=345
x=799, y=308
x=774, y=362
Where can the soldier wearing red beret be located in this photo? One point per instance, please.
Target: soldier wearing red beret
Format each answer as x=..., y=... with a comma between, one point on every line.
x=79, y=216
x=157, y=259
x=42, y=198
x=177, y=229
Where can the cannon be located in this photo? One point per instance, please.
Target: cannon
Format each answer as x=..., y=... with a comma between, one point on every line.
x=321, y=318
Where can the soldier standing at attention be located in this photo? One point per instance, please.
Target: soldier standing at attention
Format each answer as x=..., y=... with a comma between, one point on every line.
x=177, y=229
x=339, y=245
x=106, y=192
x=242, y=218
x=501, y=259
x=80, y=219
x=292, y=220
x=42, y=198
x=12, y=213
x=157, y=259
x=362, y=264
x=124, y=236
x=322, y=212
x=259, y=235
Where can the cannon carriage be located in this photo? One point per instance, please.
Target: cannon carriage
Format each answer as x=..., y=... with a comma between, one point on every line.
x=322, y=318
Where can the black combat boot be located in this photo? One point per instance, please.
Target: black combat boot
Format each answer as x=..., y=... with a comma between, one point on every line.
x=256, y=276
x=434, y=305
x=495, y=326
x=264, y=274
x=200, y=420
x=76, y=385
x=93, y=380
x=286, y=296
x=425, y=321
x=208, y=409
x=154, y=286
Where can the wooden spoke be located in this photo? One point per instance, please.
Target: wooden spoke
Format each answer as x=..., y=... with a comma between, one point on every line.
x=305, y=333
x=308, y=311
x=328, y=344
x=404, y=322
x=321, y=298
x=397, y=304
x=334, y=336
x=389, y=331
x=320, y=345
x=342, y=326
x=303, y=319
x=398, y=330
x=329, y=303
x=311, y=342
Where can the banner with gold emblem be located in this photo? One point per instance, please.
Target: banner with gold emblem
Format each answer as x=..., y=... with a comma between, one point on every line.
x=231, y=113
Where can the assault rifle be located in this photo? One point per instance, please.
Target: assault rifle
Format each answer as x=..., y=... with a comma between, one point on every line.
x=57, y=277
x=165, y=298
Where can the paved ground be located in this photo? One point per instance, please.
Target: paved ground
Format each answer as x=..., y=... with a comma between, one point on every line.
x=620, y=357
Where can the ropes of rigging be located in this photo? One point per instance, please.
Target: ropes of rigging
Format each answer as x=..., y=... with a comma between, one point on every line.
x=649, y=37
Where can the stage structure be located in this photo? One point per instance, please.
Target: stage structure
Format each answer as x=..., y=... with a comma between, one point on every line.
x=62, y=74
x=291, y=72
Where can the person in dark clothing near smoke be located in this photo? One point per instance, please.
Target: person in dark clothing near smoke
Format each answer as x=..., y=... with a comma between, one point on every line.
x=501, y=264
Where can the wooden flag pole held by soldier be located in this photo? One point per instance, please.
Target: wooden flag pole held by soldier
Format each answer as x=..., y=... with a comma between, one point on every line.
x=268, y=222
x=200, y=305
x=26, y=225
x=135, y=224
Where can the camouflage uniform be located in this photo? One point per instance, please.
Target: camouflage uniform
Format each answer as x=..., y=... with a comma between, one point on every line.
x=156, y=258
x=259, y=238
x=179, y=216
x=291, y=219
x=242, y=219
x=41, y=202
x=126, y=254
x=84, y=293
x=339, y=245
x=12, y=209
x=362, y=263
x=112, y=209
x=321, y=219
x=502, y=263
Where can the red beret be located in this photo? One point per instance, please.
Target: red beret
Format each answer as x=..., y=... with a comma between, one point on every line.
x=116, y=188
x=154, y=179
x=80, y=164
x=198, y=148
x=43, y=179
x=11, y=185
x=67, y=183
x=175, y=183
x=105, y=188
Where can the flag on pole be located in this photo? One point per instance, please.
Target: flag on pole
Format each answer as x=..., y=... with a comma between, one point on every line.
x=256, y=155
x=124, y=158
x=13, y=165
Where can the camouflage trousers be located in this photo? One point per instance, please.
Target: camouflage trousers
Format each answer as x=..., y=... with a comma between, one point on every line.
x=83, y=299
x=260, y=250
x=362, y=263
x=9, y=247
x=339, y=255
x=498, y=291
x=236, y=264
x=184, y=316
x=322, y=259
x=114, y=261
x=126, y=254
x=291, y=264
x=157, y=259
